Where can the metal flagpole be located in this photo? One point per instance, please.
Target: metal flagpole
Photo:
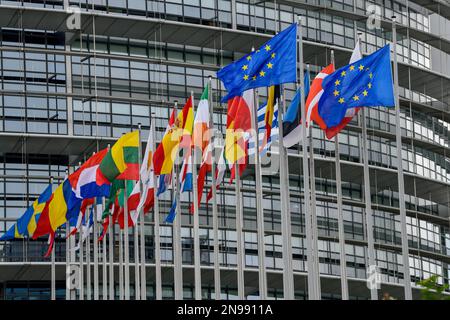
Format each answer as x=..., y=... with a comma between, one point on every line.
x=143, y=279
x=81, y=255
x=53, y=272
x=95, y=244
x=121, y=293
x=197, y=269
x=288, y=276
x=178, y=262
x=53, y=281
x=67, y=259
x=158, y=282
x=315, y=229
x=73, y=262
x=401, y=182
x=137, y=226
x=259, y=207
x=368, y=203
x=239, y=234
x=111, y=244
x=307, y=206
x=126, y=244
x=71, y=255
x=215, y=216
x=137, y=275
x=104, y=270
x=341, y=231
x=88, y=256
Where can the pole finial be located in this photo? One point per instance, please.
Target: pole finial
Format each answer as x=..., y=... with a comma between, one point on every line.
x=394, y=18
x=299, y=19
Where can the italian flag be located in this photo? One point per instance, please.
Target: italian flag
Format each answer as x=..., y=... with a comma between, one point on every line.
x=202, y=138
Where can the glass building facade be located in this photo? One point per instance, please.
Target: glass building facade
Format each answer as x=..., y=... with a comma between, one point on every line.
x=66, y=92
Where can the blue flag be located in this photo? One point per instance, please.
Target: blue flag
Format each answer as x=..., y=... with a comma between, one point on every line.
x=35, y=209
x=292, y=118
x=273, y=63
x=10, y=234
x=172, y=213
x=364, y=83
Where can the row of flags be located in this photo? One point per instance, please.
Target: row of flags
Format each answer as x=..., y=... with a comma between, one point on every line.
x=112, y=177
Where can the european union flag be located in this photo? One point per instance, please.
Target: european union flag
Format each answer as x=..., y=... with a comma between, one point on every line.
x=364, y=83
x=273, y=63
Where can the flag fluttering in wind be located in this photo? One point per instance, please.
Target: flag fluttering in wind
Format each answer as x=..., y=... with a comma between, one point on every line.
x=26, y=224
x=61, y=207
x=364, y=83
x=88, y=181
x=312, y=100
x=266, y=138
x=166, y=151
x=238, y=124
x=185, y=184
x=292, y=130
x=273, y=63
x=121, y=161
x=220, y=173
x=350, y=112
x=202, y=140
x=136, y=203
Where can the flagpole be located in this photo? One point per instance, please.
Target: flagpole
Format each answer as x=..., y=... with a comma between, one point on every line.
x=215, y=217
x=259, y=207
x=240, y=237
x=121, y=288
x=67, y=259
x=81, y=254
x=141, y=217
x=73, y=262
x=88, y=255
x=401, y=182
x=104, y=270
x=137, y=276
x=158, y=282
x=53, y=272
x=315, y=229
x=288, y=276
x=312, y=295
x=71, y=253
x=341, y=231
x=137, y=226
x=197, y=269
x=53, y=281
x=178, y=262
x=95, y=244
x=126, y=243
x=111, y=244
x=368, y=200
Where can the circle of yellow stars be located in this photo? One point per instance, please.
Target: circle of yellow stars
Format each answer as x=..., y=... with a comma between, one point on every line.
x=261, y=73
x=344, y=73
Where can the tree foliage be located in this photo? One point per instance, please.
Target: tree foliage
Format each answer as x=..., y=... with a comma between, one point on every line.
x=432, y=290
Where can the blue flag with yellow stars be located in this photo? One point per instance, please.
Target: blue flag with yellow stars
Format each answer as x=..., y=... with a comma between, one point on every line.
x=273, y=63
x=364, y=83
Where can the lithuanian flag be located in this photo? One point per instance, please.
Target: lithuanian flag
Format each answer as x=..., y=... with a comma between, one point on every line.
x=121, y=162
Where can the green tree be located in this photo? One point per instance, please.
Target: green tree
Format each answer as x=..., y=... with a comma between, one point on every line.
x=432, y=290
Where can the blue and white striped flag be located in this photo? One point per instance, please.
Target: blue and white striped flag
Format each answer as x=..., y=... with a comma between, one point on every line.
x=262, y=130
